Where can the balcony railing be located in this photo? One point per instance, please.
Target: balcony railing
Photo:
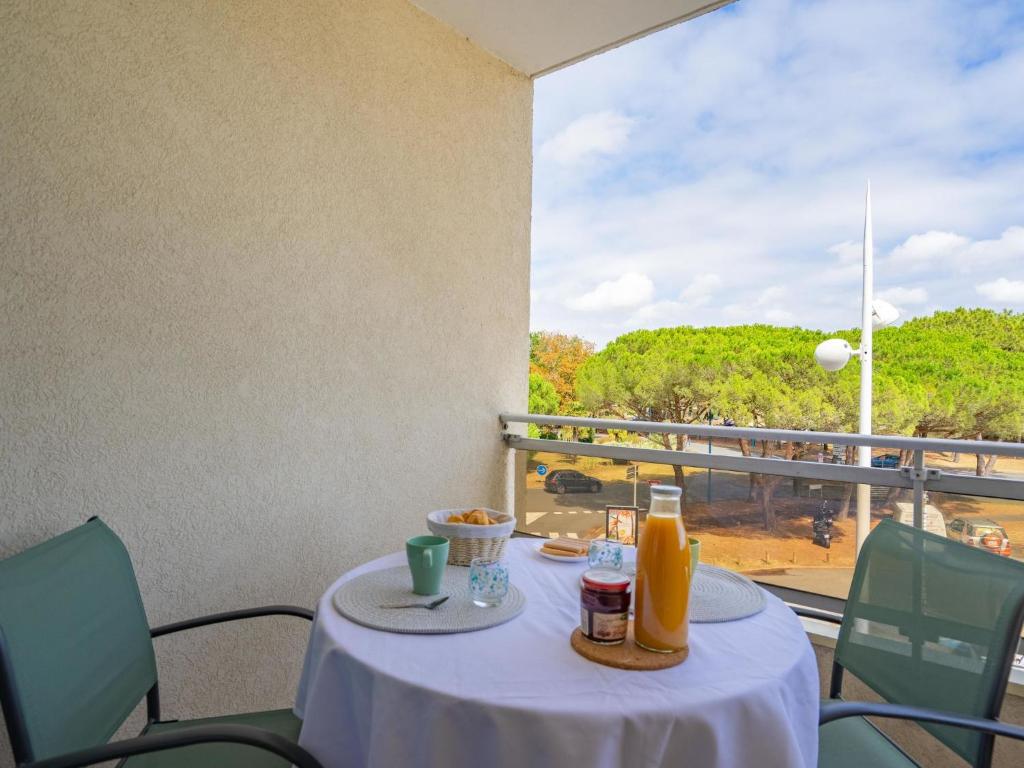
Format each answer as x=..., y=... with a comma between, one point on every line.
x=916, y=476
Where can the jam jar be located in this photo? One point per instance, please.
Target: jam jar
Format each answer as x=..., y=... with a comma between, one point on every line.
x=604, y=606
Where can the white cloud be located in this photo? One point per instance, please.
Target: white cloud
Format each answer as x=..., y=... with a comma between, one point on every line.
x=599, y=133
x=630, y=290
x=904, y=297
x=1003, y=291
x=779, y=316
x=700, y=290
x=770, y=295
x=662, y=314
x=948, y=250
x=849, y=255
x=848, y=252
x=933, y=247
x=1009, y=246
x=771, y=305
x=752, y=166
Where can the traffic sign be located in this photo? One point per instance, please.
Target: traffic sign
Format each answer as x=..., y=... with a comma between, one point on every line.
x=542, y=469
x=632, y=473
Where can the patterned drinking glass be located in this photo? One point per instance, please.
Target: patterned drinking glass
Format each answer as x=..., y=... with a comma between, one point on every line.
x=605, y=554
x=488, y=581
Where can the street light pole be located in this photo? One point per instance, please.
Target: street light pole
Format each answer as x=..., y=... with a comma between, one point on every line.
x=711, y=416
x=866, y=323
x=833, y=354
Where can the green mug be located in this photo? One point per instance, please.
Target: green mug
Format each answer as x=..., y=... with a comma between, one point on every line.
x=427, y=556
x=694, y=554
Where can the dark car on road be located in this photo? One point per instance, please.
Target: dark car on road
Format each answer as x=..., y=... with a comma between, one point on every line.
x=887, y=461
x=980, y=533
x=563, y=480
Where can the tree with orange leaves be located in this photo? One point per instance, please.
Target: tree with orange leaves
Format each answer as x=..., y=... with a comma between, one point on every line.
x=557, y=357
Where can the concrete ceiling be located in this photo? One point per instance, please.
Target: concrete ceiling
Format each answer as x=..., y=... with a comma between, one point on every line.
x=539, y=36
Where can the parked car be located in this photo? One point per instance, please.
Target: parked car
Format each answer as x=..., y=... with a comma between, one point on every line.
x=933, y=521
x=562, y=480
x=886, y=461
x=981, y=533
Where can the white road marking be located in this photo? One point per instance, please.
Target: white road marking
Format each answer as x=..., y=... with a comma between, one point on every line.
x=532, y=517
x=572, y=535
x=572, y=511
x=558, y=512
x=553, y=534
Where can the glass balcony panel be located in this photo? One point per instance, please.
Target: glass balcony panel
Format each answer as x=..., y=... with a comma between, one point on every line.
x=723, y=509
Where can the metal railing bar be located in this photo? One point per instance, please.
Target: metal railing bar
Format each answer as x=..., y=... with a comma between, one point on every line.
x=919, y=487
x=971, y=485
x=990, y=447
x=967, y=485
x=801, y=598
x=843, y=473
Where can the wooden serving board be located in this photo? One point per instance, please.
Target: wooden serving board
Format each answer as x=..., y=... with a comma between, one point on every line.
x=628, y=655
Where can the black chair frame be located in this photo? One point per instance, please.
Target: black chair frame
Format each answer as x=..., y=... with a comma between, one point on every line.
x=155, y=742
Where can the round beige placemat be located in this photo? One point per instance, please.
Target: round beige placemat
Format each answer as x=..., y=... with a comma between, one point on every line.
x=718, y=594
x=359, y=600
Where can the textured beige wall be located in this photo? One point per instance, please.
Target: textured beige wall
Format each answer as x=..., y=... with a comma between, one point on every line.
x=263, y=292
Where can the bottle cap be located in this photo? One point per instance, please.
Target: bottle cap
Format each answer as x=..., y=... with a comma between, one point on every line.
x=667, y=490
x=605, y=581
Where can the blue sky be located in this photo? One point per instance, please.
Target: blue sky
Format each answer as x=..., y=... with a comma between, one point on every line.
x=714, y=173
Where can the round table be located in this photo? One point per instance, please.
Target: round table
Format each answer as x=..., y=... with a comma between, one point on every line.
x=518, y=696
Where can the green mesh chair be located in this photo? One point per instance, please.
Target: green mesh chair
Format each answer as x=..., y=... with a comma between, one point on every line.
x=76, y=658
x=931, y=625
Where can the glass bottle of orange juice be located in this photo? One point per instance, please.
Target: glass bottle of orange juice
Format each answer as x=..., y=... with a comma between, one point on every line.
x=662, y=595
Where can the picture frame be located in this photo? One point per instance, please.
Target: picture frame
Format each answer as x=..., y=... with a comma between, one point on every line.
x=622, y=523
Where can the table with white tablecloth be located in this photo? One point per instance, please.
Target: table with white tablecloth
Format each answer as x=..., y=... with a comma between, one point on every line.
x=518, y=696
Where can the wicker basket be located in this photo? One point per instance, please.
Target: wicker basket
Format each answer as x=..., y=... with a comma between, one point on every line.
x=468, y=541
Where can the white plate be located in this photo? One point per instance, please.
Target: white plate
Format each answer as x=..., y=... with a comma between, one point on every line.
x=560, y=559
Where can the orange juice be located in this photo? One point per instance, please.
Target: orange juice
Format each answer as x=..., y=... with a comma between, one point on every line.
x=662, y=596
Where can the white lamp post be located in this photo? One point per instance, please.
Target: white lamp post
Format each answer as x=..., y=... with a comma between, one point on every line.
x=836, y=353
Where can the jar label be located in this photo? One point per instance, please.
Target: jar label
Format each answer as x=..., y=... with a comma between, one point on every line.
x=604, y=626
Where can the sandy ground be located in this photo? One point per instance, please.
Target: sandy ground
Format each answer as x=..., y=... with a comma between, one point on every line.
x=730, y=527
x=967, y=462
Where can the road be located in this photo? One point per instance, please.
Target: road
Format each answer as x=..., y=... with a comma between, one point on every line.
x=577, y=515
x=582, y=514
x=834, y=582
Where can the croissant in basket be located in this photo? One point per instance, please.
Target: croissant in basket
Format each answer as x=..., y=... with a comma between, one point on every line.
x=473, y=517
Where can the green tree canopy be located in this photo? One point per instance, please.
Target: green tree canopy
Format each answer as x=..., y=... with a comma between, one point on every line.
x=543, y=399
x=965, y=369
x=758, y=375
x=958, y=374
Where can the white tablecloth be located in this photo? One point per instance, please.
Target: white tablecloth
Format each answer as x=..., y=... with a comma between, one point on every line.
x=518, y=696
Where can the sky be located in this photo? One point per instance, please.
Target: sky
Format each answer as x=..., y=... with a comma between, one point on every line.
x=714, y=173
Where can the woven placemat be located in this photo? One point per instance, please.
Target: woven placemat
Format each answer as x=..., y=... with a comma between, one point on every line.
x=718, y=594
x=359, y=600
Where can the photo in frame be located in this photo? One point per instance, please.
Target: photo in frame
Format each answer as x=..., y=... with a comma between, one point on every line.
x=621, y=523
